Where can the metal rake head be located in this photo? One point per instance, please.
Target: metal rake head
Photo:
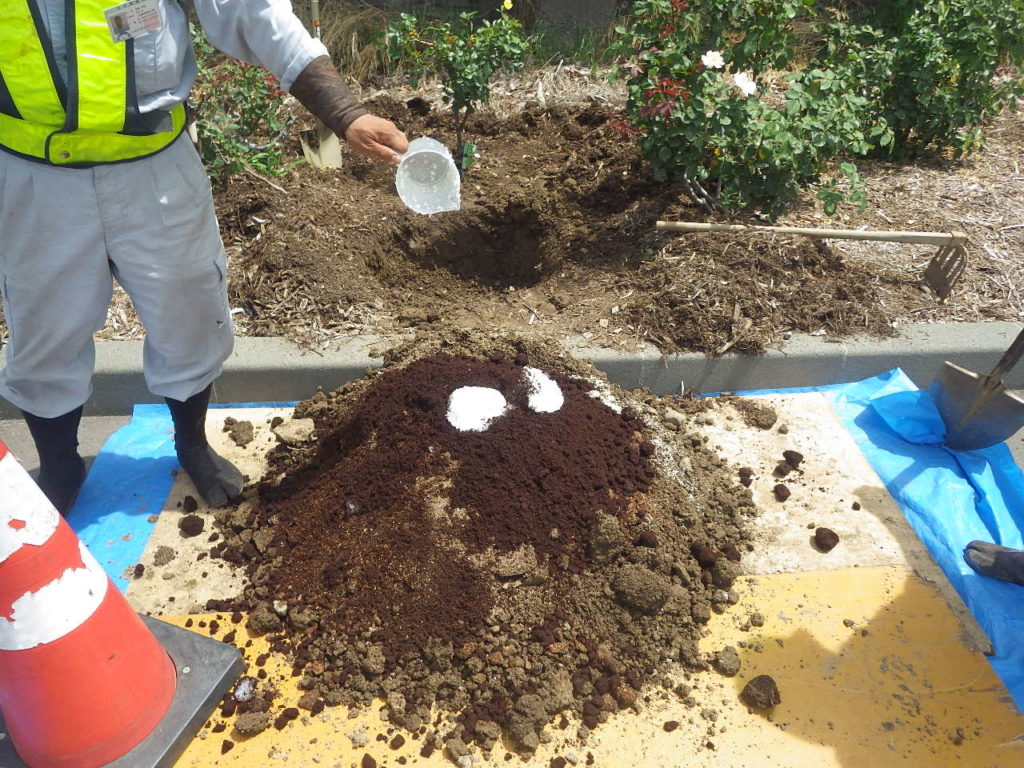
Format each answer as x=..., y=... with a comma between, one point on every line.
x=946, y=268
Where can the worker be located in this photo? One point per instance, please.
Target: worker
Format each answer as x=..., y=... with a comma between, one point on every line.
x=995, y=561
x=99, y=181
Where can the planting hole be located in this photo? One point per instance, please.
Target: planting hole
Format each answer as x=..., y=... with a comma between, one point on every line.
x=496, y=248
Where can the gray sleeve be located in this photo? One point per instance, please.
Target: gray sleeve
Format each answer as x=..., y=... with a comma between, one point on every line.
x=264, y=32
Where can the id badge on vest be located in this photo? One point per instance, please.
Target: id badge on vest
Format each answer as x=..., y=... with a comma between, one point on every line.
x=134, y=18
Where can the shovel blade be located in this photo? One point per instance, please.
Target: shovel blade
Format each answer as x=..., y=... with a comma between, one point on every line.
x=321, y=147
x=977, y=411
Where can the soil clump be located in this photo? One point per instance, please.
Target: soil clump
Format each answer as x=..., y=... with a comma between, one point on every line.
x=482, y=582
x=825, y=539
x=761, y=692
x=191, y=525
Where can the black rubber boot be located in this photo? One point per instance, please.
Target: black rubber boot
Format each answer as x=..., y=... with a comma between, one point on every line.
x=61, y=469
x=217, y=479
x=996, y=562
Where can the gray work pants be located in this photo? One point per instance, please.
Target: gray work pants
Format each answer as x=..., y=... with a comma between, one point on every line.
x=66, y=234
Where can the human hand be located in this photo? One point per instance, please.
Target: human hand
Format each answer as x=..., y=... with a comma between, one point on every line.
x=376, y=137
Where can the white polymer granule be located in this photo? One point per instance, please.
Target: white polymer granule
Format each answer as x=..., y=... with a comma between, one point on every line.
x=472, y=409
x=545, y=396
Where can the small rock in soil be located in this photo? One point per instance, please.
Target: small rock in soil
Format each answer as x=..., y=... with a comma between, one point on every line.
x=295, y=432
x=855, y=506
x=647, y=539
x=368, y=762
x=263, y=620
x=762, y=692
x=782, y=469
x=252, y=723
x=240, y=432
x=163, y=555
x=226, y=746
x=606, y=539
x=191, y=525
x=670, y=726
x=673, y=417
x=781, y=492
x=756, y=414
x=456, y=748
x=138, y=570
x=793, y=458
x=358, y=738
x=639, y=589
x=724, y=572
x=825, y=539
x=727, y=661
x=516, y=563
x=189, y=504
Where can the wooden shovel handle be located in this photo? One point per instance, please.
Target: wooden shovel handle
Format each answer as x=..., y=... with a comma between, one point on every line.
x=922, y=238
x=1009, y=358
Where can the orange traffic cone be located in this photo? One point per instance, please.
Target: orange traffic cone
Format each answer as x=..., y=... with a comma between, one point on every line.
x=82, y=679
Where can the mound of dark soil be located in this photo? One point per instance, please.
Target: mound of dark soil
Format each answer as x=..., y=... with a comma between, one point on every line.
x=553, y=561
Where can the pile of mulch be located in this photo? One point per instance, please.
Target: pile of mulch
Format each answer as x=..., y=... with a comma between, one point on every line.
x=741, y=292
x=552, y=563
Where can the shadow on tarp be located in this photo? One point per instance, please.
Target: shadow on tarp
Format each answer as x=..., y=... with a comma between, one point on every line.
x=950, y=498
x=899, y=689
x=128, y=483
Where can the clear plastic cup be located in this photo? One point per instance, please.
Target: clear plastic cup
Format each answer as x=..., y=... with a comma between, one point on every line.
x=427, y=179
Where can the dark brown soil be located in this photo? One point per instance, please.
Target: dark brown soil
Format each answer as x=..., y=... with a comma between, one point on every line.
x=761, y=692
x=825, y=539
x=240, y=432
x=191, y=525
x=556, y=237
x=552, y=562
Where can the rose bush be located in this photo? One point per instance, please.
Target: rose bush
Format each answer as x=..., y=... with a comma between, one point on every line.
x=708, y=118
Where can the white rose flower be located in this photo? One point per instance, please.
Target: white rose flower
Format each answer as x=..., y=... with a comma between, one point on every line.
x=745, y=83
x=713, y=60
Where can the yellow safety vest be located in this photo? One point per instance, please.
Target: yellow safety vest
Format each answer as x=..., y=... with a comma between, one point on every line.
x=90, y=120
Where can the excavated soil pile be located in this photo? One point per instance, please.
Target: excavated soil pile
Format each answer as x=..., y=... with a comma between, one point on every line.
x=562, y=209
x=550, y=562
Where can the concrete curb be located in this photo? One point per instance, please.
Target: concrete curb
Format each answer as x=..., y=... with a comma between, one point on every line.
x=272, y=369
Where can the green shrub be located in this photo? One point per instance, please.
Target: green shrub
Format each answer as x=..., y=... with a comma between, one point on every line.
x=929, y=69
x=697, y=97
x=464, y=54
x=238, y=116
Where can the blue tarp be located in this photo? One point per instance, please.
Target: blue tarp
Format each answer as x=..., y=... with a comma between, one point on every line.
x=128, y=483
x=949, y=497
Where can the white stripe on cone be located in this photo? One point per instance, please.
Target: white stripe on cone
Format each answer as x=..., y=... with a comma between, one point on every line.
x=55, y=610
x=27, y=518
x=26, y=515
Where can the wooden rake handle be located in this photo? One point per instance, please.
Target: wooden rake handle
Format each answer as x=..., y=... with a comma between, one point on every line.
x=955, y=238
